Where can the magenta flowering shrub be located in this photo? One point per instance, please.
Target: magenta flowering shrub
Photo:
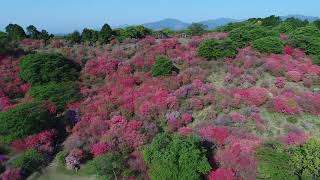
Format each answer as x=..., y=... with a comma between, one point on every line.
x=255, y=96
x=237, y=117
x=239, y=155
x=294, y=76
x=288, y=50
x=99, y=149
x=286, y=103
x=310, y=102
x=296, y=138
x=43, y=141
x=124, y=134
x=185, y=131
x=4, y=102
x=217, y=134
x=186, y=118
x=100, y=67
x=222, y=174
x=280, y=82
x=12, y=174
x=10, y=83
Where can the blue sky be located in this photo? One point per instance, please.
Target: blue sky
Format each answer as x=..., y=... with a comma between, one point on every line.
x=60, y=16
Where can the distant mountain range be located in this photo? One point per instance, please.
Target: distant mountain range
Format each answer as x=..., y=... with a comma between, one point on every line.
x=175, y=24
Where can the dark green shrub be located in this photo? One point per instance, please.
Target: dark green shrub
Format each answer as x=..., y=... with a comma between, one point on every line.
x=284, y=27
x=31, y=160
x=268, y=45
x=15, y=32
x=23, y=120
x=42, y=68
x=108, y=166
x=176, y=157
x=105, y=34
x=89, y=36
x=292, y=119
x=316, y=59
x=305, y=160
x=162, y=66
x=215, y=49
x=245, y=34
x=60, y=158
x=271, y=21
x=273, y=160
x=58, y=93
x=196, y=29
x=231, y=26
x=74, y=37
x=306, y=38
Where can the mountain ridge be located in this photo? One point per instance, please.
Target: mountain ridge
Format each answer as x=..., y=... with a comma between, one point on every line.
x=176, y=24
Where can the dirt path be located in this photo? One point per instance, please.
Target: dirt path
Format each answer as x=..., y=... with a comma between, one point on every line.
x=52, y=173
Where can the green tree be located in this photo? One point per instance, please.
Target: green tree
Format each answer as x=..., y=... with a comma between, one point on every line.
x=105, y=34
x=244, y=35
x=23, y=120
x=306, y=38
x=30, y=160
x=269, y=44
x=271, y=21
x=305, y=160
x=168, y=32
x=273, y=160
x=41, y=68
x=89, y=36
x=317, y=23
x=45, y=36
x=296, y=23
x=135, y=32
x=176, y=157
x=215, y=49
x=15, y=32
x=108, y=166
x=74, y=38
x=196, y=29
x=4, y=42
x=58, y=93
x=162, y=66
x=33, y=32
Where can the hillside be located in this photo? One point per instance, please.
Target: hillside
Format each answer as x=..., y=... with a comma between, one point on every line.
x=239, y=102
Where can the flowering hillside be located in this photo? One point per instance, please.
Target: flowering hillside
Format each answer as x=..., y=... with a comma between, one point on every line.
x=213, y=106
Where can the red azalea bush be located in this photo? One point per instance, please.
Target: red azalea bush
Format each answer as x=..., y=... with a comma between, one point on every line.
x=100, y=67
x=10, y=83
x=239, y=155
x=310, y=102
x=43, y=141
x=286, y=103
x=296, y=138
x=12, y=174
x=218, y=134
x=187, y=118
x=222, y=174
x=237, y=117
x=254, y=96
x=124, y=134
x=280, y=82
x=99, y=149
x=185, y=131
x=295, y=76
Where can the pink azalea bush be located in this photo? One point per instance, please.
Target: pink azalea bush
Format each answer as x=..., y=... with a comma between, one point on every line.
x=99, y=149
x=222, y=174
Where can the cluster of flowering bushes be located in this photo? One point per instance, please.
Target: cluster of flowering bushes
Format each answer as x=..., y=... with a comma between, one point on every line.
x=126, y=100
